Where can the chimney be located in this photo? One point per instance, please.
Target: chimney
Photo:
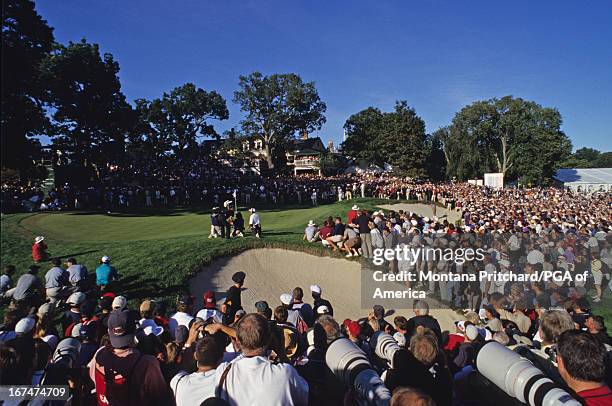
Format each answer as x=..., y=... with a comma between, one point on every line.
x=304, y=135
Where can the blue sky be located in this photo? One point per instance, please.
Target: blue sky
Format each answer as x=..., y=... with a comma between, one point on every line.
x=438, y=55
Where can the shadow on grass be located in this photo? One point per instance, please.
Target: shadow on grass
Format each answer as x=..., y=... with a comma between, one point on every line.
x=138, y=287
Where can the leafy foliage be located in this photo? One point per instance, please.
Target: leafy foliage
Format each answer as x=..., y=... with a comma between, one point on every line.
x=26, y=40
x=277, y=107
x=505, y=135
x=396, y=137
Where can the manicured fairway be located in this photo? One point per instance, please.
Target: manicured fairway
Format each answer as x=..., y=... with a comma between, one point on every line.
x=155, y=252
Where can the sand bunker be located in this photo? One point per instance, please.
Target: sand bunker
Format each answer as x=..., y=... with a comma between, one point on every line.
x=426, y=210
x=271, y=272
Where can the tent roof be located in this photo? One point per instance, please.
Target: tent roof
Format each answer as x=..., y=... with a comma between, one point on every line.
x=587, y=175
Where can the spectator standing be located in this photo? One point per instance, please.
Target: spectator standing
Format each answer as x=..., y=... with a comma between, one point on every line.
x=39, y=250
x=255, y=223
x=121, y=373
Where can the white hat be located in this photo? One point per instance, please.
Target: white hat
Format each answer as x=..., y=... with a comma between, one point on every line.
x=149, y=326
x=471, y=332
x=38, y=239
x=286, y=299
x=322, y=309
x=355, y=207
x=400, y=338
x=311, y=223
x=460, y=325
x=315, y=289
x=119, y=302
x=105, y=259
x=504, y=262
x=45, y=309
x=227, y=203
x=252, y=210
x=76, y=298
x=414, y=222
x=25, y=325
x=76, y=330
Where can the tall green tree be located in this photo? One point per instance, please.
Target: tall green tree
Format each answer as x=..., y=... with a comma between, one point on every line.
x=277, y=108
x=175, y=122
x=362, y=135
x=397, y=137
x=26, y=41
x=90, y=114
x=519, y=138
x=403, y=140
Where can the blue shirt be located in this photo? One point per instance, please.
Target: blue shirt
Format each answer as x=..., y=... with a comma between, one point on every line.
x=105, y=274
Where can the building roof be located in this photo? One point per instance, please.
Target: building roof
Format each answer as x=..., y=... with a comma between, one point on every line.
x=307, y=146
x=585, y=176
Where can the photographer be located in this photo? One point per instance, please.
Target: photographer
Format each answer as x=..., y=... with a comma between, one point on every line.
x=192, y=389
x=582, y=360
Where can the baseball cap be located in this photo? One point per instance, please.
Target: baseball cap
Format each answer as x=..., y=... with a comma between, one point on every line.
x=286, y=298
x=262, y=306
x=121, y=328
x=25, y=325
x=67, y=351
x=471, y=332
x=352, y=327
x=106, y=303
x=209, y=300
x=400, y=338
x=322, y=309
x=315, y=289
x=185, y=300
x=119, y=302
x=238, y=277
x=76, y=298
x=105, y=259
x=460, y=325
x=180, y=334
x=45, y=309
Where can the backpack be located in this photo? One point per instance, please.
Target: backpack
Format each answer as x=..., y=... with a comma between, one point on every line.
x=113, y=386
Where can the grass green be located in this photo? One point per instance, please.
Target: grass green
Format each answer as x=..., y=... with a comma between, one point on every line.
x=156, y=252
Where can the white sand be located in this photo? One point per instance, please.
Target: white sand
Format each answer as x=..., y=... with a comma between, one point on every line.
x=271, y=272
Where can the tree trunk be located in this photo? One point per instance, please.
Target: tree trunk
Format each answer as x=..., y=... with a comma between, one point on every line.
x=269, y=156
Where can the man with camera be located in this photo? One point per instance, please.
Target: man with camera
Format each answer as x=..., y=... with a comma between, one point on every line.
x=582, y=360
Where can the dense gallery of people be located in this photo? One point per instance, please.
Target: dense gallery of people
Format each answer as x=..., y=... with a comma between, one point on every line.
x=65, y=325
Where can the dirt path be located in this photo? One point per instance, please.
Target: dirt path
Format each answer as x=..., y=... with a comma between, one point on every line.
x=271, y=272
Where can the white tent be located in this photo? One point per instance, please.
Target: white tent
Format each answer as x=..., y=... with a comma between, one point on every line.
x=585, y=180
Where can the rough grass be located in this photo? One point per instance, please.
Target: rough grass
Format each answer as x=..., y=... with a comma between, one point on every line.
x=157, y=251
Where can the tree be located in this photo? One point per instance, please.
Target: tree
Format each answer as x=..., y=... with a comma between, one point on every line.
x=403, y=140
x=396, y=137
x=519, y=138
x=175, y=121
x=89, y=112
x=26, y=40
x=588, y=154
x=362, y=134
x=278, y=107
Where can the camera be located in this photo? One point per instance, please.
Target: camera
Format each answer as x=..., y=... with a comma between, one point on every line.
x=350, y=364
x=385, y=346
x=519, y=378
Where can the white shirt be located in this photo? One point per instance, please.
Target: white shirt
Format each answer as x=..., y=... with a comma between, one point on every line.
x=256, y=381
x=179, y=319
x=193, y=389
x=254, y=219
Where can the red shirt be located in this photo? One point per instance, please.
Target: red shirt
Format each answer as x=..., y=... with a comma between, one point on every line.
x=325, y=232
x=352, y=215
x=38, y=251
x=601, y=396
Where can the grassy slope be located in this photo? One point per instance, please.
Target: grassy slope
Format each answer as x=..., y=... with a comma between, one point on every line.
x=157, y=252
